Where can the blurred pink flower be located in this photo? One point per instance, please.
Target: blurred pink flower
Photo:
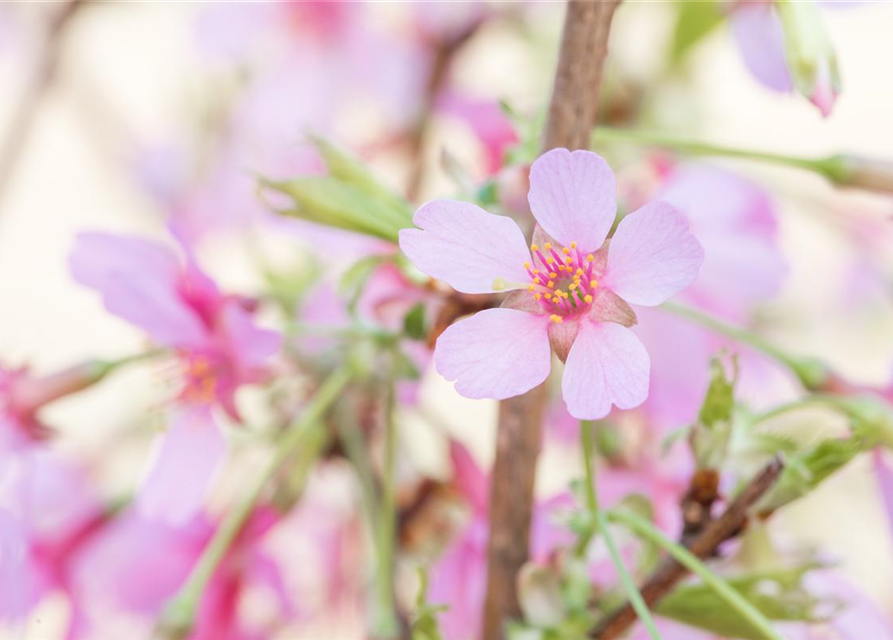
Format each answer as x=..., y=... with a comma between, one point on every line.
x=499, y=353
x=216, y=341
x=459, y=577
x=137, y=565
x=48, y=511
x=486, y=119
x=735, y=222
x=760, y=40
x=767, y=47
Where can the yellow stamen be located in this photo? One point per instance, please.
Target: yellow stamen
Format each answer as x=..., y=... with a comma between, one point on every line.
x=593, y=284
x=537, y=296
x=590, y=258
x=548, y=246
x=587, y=299
x=548, y=296
x=552, y=274
x=550, y=260
x=550, y=284
x=533, y=247
x=536, y=271
x=556, y=318
x=526, y=265
x=579, y=271
x=573, y=245
x=565, y=250
x=530, y=287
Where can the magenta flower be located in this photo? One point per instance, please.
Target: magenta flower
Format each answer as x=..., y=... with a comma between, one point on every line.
x=137, y=565
x=578, y=285
x=216, y=341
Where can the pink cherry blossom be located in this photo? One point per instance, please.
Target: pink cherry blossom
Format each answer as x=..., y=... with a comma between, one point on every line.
x=578, y=286
x=217, y=342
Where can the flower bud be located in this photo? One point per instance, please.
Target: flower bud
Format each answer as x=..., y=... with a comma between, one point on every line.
x=539, y=594
x=25, y=395
x=811, y=57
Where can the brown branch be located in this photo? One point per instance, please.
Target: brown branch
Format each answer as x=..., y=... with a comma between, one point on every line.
x=572, y=114
x=730, y=524
x=23, y=117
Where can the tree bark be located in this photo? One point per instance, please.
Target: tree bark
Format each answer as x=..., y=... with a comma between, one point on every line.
x=572, y=114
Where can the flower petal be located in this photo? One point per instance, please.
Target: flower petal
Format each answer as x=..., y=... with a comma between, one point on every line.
x=497, y=353
x=652, y=255
x=465, y=246
x=469, y=478
x=138, y=281
x=178, y=481
x=14, y=574
x=607, y=365
x=760, y=37
x=573, y=197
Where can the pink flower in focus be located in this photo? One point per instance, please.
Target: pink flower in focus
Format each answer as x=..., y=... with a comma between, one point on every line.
x=578, y=285
x=216, y=340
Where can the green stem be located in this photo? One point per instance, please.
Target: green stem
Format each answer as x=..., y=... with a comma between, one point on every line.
x=587, y=451
x=810, y=372
x=179, y=615
x=385, y=621
x=632, y=591
x=835, y=168
x=687, y=559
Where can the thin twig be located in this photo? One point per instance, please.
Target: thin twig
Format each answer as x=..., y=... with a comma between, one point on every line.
x=25, y=113
x=572, y=115
x=444, y=51
x=670, y=572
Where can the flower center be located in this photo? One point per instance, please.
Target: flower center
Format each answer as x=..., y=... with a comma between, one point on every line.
x=563, y=282
x=201, y=380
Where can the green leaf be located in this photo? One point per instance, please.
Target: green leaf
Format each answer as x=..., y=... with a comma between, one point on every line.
x=351, y=170
x=414, y=323
x=424, y=626
x=807, y=469
x=778, y=594
x=694, y=21
x=329, y=201
x=710, y=436
x=350, y=197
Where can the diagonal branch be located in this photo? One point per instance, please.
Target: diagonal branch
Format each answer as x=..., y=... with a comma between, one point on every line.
x=572, y=114
x=670, y=572
x=24, y=115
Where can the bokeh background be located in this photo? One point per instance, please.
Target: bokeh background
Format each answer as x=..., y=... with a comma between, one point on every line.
x=141, y=85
